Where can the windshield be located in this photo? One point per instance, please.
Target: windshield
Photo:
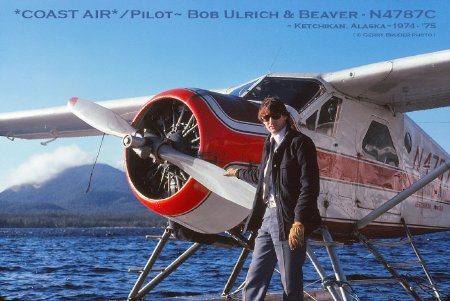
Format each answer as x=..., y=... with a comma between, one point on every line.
x=296, y=92
x=244, y=88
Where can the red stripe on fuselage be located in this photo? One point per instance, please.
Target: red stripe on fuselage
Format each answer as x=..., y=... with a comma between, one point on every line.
x=360, y=172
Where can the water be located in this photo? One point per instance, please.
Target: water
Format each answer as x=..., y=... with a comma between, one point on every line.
x=92, y=264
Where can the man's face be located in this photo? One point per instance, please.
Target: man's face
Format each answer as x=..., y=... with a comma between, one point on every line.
x=274, y=122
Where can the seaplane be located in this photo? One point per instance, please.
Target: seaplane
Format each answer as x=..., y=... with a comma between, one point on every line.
x=382, y=177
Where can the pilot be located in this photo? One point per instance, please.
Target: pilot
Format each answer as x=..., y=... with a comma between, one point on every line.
x=285, y=207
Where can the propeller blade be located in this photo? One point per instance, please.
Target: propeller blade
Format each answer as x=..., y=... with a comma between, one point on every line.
x=99, y=117
x=211, y=176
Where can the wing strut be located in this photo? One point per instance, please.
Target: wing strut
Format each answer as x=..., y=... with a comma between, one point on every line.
x=402, y=195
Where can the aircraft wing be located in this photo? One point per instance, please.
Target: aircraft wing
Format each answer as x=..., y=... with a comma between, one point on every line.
x=407, y=84
x=60, y=122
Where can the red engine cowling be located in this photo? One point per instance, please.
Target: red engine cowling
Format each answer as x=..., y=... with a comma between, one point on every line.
x=221, y=129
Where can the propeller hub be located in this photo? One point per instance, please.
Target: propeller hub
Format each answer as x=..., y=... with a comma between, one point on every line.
x=178, y=142
x=133, y=141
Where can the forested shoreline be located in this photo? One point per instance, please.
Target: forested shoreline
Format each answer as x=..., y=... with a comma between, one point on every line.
x=52, y=220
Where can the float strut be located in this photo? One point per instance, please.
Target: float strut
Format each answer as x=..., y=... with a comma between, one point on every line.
x=137, y=293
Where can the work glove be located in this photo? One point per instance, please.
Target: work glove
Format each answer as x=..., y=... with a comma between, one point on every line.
x=231, y=172
x=296, y=235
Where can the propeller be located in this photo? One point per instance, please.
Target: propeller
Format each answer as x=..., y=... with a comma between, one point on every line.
x=100, y=117
x=207, y=174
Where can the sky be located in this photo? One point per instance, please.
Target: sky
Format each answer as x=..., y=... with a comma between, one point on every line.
x=52, y=50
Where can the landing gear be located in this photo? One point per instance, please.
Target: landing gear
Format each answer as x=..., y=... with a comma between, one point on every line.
x=139, y=291
x=337, y=286
x=175, y=231
x=340, y=286
x=393, y=267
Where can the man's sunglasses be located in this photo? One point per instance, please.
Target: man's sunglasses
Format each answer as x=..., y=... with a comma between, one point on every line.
x=274, y=116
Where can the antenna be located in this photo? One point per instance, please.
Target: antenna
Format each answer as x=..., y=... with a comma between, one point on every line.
x=274, y=59
x=95, y=163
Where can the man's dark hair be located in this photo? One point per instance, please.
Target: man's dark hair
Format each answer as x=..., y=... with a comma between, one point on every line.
x=272, y=104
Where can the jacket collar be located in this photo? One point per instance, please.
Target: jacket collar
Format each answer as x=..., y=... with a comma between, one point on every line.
x=289, y=133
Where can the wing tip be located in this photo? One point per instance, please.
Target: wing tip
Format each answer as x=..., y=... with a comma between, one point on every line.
x=73, y=100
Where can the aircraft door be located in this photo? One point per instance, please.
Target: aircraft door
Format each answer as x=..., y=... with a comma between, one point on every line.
x=321, y=123
x=378, y=174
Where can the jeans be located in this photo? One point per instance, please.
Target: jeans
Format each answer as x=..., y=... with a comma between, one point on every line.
x=267, y=252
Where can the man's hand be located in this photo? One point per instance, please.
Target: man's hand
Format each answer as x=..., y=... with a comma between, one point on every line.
x=230, y=172
x=296, y=235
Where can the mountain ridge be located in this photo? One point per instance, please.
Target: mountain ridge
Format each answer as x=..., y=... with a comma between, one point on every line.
x=64, y=198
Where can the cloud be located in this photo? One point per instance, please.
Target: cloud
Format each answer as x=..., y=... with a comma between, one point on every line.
x=40, y=168
x=119, y=164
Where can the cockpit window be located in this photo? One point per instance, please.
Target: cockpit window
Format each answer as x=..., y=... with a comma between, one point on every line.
x=377, y=143
x=311, y=122
x=325, y=122
x=295, y=92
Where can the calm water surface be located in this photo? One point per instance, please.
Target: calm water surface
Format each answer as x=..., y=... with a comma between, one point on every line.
x=92, y=264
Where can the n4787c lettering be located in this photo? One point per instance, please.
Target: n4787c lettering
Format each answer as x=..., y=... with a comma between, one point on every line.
x=402, y=14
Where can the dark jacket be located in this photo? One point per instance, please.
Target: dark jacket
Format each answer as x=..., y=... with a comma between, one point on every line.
x=295, y=177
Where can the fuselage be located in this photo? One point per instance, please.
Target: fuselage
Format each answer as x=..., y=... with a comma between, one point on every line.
x=367, y=154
